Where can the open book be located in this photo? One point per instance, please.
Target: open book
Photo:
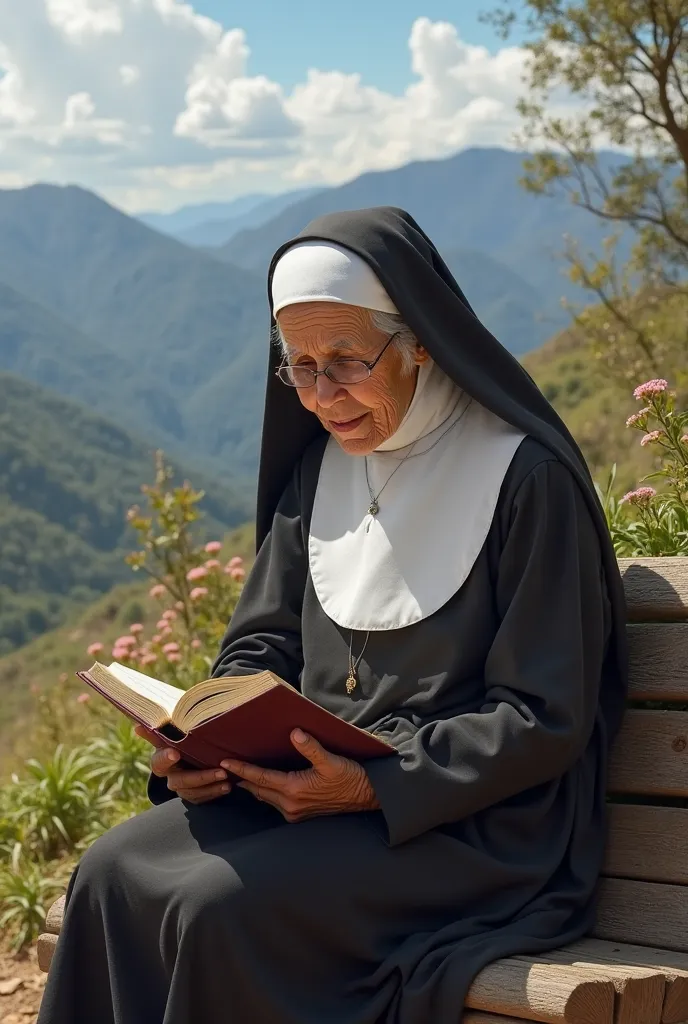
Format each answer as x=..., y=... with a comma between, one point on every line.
x=249, y=718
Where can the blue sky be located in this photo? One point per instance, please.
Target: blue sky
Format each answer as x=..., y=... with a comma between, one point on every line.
x=158, y=105
x=287, y=37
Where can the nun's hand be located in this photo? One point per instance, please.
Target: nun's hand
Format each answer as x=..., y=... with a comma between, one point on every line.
x=332, y=785
x=191, y=784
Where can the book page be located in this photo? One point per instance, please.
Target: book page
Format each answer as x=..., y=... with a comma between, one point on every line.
x=161, y=693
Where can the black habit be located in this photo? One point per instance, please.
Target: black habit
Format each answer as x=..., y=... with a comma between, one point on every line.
x=502, y=706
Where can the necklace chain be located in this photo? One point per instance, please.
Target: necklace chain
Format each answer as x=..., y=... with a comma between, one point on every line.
x=373, y=510
x=374, y=506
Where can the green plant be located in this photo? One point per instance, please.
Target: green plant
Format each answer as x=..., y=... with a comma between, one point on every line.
x=55, y=806
x=26, y=891
x=118, y=762
x=645, y=521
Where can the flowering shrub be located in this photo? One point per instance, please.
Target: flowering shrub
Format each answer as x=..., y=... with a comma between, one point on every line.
x=194, y=592
x=650, y=521
x=61, y=804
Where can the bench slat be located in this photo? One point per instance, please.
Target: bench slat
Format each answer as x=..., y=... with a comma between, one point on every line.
x=643, y=913
x=470, y=1017
x=650, y=756
x=658, y=661
x=554, y=994
x=648, y=844
x=656, y=588
x=674, y=967
x=639, y=990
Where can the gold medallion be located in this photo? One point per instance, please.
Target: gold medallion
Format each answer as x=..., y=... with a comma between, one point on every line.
x=351, y=684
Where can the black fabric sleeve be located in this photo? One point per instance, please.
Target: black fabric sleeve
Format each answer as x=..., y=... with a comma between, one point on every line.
x=541, y=678
x=265, y=629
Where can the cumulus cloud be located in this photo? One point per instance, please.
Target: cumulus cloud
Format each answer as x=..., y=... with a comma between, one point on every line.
x=164, y=97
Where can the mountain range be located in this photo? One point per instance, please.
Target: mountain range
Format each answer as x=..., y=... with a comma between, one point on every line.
x=170, y=339
x=213, y=224
x=67, y=477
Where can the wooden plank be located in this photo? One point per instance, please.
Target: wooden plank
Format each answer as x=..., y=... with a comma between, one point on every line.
x=674, y=967
x=656, y=588
x=639, y=990
x=470, y=1017
x=531, y=990
x=53, y=919
x=658, y=653
x=643, y=913
x=650, y=756
x=648, y=843
x=45, y=948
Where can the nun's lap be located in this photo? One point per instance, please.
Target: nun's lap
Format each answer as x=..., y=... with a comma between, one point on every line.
x=236, y=862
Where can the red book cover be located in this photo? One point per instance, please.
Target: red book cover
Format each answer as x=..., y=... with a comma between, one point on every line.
x=258, y=731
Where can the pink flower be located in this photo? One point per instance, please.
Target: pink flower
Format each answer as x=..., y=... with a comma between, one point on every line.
x=641, y=496
x=654, y=435
x=198, y=592
x=120, y=653
x=196, y=644
x=170, y=648
x=136, y=628
x=156, y=639
x=237, y=573
x=684, y=439
x=161, y=624
x=166, y=629
x=83, y=698
x=125, y=641
x=174, y=656
x=196, y=574
x=95, y=649
x=179, y=605
x=234, y=562
x=650, y=388
x=213, y=546
x=170, y=615
x=157, y=591
x=212, y=563
x=637, y=416
x=149, y=658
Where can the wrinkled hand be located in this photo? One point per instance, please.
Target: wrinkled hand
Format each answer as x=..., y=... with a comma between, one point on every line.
x=333, y=785
x=197, y=787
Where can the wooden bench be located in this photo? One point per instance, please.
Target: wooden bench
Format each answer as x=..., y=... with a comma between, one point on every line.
x=633, y=969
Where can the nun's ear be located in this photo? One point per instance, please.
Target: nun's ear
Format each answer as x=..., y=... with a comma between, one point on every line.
x=420, y=354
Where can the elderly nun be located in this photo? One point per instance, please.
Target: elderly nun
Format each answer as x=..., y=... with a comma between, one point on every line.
x=432, y=566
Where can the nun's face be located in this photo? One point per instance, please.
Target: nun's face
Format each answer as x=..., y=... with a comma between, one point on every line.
x=360, y=416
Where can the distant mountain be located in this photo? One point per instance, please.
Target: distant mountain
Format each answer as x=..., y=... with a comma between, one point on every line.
x=175, y=315
x=469, y=201
x=172, y=340
x=67, y=477
x=217, y=230
x=187, y=217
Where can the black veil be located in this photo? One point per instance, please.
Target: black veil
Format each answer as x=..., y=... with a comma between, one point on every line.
x=434, y=307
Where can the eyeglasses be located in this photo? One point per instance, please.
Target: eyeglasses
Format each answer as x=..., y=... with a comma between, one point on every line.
x=341, y=371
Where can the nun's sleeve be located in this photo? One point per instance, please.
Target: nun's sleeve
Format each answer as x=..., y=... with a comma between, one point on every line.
x=542, y=674
x=265, y=628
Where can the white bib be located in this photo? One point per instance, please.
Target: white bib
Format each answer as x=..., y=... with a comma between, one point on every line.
x=401, y=566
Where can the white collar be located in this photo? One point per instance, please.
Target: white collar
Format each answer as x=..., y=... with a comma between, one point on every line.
x=401, y=566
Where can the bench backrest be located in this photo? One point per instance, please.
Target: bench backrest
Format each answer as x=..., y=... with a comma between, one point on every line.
x=644, y=892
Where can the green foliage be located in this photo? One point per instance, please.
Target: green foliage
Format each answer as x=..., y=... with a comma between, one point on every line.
x=627, y=64
x=26, y=892
x=645, y=521
x=67, y=478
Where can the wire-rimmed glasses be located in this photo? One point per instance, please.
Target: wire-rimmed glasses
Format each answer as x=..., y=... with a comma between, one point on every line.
x=340, y=371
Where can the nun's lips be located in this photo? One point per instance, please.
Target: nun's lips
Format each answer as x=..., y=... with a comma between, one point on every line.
x=344, y=426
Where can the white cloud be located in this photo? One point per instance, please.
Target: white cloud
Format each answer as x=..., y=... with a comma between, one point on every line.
x=129, y=74
x=138, y=98
x=78, y=19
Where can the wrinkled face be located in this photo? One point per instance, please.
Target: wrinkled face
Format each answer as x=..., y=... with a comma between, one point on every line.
x=360, y=416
